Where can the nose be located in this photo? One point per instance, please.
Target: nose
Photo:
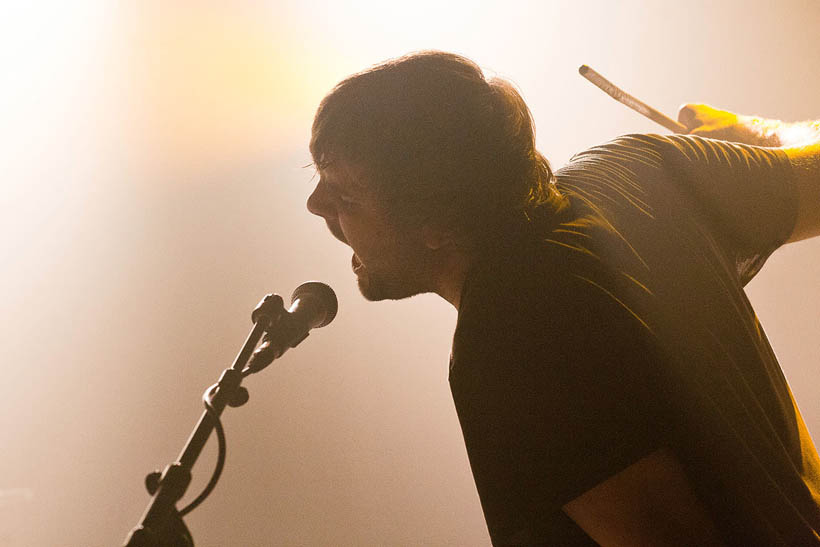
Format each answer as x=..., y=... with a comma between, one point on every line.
x=318, y=202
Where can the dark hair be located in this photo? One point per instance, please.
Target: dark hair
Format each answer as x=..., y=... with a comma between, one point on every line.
x=441, y=143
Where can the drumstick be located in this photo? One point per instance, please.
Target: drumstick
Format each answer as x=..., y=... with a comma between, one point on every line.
x=625, y=98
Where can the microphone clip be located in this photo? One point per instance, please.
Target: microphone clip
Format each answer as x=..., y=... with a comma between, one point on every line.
x=313, y=305
x=269, y=310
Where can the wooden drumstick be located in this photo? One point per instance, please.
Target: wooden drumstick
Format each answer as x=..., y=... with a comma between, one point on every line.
x=625, y=98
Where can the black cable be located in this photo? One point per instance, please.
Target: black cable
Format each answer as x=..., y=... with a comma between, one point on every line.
x=220, y=460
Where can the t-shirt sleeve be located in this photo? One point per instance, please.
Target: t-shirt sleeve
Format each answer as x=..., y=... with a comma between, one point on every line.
x=552, y=399
x=746, y=193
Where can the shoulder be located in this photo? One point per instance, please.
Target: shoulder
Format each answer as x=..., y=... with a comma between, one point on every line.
x=611, y=173
x=644, y=147
x=682, y=148
x=653, y=151
x=627, y=146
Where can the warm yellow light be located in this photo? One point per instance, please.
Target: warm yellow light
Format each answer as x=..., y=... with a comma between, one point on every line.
x=214, y=85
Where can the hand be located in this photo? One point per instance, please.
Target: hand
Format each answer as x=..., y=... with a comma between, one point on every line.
x=706, y=121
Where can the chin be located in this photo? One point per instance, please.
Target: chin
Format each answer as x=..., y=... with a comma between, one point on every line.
x=374, y=290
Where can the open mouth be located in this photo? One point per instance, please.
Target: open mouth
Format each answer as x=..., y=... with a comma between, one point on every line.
x=356, y=263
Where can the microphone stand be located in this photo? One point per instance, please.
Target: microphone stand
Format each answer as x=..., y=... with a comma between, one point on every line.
x=162, y=524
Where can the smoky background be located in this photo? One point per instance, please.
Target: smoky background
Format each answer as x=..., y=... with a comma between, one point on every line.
x=154, y=178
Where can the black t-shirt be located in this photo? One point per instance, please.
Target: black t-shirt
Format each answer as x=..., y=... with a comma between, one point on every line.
x=624, y=328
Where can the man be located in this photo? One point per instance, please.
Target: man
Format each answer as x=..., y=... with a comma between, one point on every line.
x=610, y=377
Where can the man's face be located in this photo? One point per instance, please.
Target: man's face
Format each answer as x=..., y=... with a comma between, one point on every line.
x=389, y=262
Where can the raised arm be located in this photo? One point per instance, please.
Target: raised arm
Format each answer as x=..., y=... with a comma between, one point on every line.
x=800, y=141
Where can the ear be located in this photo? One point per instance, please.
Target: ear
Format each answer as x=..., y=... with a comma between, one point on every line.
x=436, y=238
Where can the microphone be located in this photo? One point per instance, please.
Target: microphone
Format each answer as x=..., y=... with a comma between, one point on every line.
x=313, y=305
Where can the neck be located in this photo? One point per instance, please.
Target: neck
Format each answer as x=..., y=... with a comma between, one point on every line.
x=451, y=279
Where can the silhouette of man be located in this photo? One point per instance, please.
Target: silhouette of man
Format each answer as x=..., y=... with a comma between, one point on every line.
x=611, y=379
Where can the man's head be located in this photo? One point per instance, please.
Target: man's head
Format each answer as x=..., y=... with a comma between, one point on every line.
x=442, y=156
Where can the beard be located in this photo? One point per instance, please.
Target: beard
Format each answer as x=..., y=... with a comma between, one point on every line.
x=395, y=283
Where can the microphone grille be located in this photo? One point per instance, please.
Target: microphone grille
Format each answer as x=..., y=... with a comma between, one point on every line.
x=323, y=294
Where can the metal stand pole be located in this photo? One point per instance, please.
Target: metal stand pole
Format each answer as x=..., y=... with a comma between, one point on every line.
x=161, y=524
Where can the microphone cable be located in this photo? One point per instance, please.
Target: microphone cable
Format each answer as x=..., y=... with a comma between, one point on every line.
x=207, y=399
x=222, y=450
